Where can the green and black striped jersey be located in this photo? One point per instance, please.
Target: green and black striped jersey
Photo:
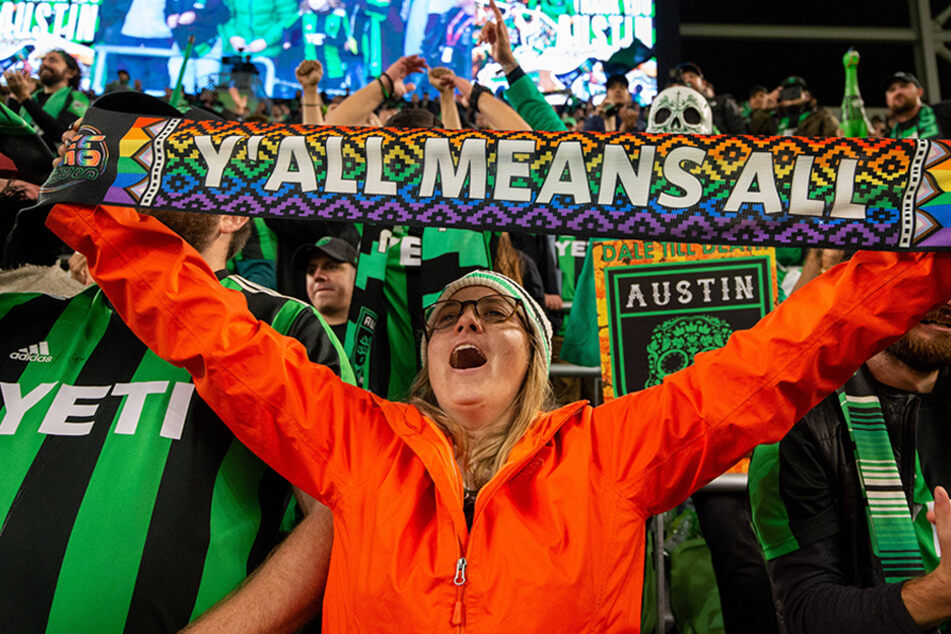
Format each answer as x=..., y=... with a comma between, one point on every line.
x=125, y=503
x=400, y=271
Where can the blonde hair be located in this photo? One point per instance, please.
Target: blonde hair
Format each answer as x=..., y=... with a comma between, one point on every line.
x=483, y=461
x=506, y=259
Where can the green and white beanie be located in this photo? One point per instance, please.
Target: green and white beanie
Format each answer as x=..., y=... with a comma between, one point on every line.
x=541, y=327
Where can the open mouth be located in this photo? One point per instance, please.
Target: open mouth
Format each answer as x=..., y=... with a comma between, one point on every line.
x=466, y=356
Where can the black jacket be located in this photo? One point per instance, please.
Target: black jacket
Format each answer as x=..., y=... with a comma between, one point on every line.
x=829, y=579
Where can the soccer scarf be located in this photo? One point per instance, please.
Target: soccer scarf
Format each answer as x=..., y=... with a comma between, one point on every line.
x=882, y=194
x=923, y=126
x=889, y=518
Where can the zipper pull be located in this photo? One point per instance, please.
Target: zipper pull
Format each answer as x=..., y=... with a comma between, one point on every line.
x=460, y=577
x=457, y=614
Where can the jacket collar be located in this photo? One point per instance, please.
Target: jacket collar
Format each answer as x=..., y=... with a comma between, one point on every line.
x=433, y=448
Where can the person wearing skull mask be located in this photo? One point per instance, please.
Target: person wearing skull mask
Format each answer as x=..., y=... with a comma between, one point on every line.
x=797, y=114
x=676, y=110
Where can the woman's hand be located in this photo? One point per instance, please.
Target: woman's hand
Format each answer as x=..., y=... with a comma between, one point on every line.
x=78, y=270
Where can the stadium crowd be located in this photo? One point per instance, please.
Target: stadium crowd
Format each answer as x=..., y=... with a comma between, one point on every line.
x=308, y=478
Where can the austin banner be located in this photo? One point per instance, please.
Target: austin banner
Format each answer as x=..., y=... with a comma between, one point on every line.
x=660, y=303
x=824, y=192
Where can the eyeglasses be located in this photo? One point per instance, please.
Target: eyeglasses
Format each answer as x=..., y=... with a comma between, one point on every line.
x=491, y=309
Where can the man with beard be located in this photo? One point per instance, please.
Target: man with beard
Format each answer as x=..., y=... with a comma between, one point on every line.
x=913, y=119
x=54, y=107
x=841, y=505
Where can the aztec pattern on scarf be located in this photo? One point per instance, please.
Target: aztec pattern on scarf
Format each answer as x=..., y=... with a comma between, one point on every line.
x=881, y=194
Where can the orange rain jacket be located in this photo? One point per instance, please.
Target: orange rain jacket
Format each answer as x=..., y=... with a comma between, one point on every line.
x=557, y=542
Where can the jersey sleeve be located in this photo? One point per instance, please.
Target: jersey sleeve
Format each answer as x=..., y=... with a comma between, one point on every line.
x=666, y=442
x=530, y=104
x=792, y=496
x=298, y=416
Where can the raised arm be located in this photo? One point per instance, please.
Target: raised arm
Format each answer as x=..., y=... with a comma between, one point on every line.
x=355, y=109
x=522, y=93
x=308, y=73
x=665, y=442
x=296, y=415
x=448, y=112
x=499, y=115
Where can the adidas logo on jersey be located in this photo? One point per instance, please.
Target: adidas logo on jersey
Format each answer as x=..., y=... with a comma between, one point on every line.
x=39, y=352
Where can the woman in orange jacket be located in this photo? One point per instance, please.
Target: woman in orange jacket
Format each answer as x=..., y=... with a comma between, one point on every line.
x=556, y=540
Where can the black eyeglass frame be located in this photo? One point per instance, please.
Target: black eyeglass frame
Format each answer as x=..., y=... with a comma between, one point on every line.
x=428, y=329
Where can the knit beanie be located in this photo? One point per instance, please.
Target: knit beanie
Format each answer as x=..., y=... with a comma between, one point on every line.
x=539, y=323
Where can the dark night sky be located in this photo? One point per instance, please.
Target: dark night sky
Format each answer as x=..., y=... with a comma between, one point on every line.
x=736, y=65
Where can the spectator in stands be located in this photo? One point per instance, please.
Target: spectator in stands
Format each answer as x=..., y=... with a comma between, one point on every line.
x=120, y=84
x=727, y=118
x=798, y=113
x=913, y=118
x=759, y=98
x=879, y=130
x=330, y=267
x=289, y=235
x=879, y=444
x=57, y=104
x=617, y=113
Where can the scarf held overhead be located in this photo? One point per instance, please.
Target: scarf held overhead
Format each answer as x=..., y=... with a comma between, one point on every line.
x=879, y=194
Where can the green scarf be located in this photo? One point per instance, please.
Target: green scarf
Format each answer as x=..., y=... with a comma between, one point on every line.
x=890, y=523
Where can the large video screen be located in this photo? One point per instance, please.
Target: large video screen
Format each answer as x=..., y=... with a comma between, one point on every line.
x=569, y=46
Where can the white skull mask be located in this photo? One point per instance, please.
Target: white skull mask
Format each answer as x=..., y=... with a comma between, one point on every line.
x=680, y=110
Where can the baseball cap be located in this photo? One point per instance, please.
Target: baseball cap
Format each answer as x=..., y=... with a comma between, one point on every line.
x=616, y=78
x=688, y=67
x=900, y=77
x=794, y=80
x=334, y=248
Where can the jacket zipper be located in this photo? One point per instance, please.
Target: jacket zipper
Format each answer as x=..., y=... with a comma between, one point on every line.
x=460, y=581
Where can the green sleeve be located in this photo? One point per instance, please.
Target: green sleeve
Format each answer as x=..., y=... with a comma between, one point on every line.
x=530, y=104
x=792, y=490
x=770, y=519
x=581, y=333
